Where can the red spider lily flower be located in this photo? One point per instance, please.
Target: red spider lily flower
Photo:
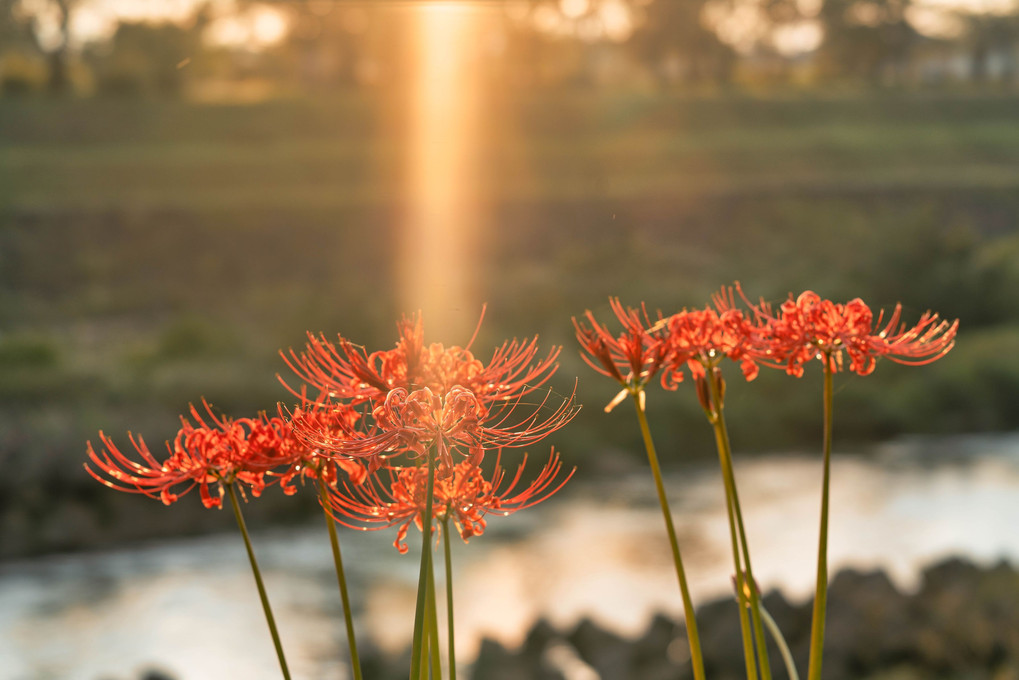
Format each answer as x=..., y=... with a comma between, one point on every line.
x=219, y=453
x=333, y=420
x=700, y=339
x=419, y=419
x=417, y=396
x=346, y=371
x=465, y=497
x=810, y=327
x=411, y=422
x=404, y=422
x=632, y=358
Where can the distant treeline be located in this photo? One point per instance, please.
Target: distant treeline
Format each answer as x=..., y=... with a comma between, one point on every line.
x=656, y=44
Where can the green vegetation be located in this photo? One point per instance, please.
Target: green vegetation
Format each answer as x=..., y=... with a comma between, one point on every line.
x=152, y=253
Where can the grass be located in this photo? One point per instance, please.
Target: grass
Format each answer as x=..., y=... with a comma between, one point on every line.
x=96, y=154
x=152, y=253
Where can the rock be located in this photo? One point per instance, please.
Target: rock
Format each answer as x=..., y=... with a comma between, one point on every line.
x=561, y=662
x=870, y=625
x=155, y=674
x=963, y=624
x=542, y=634
x=647, y=659
x=607, y=653
x=495, y=662
x=379, y=665
x=721, y=640
x=969, y=615
x=794, y=624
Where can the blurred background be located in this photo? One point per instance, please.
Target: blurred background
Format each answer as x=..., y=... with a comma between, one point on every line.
x=188, y=187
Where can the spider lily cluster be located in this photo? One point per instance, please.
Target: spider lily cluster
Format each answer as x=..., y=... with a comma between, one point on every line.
x=391, y=438
x=805, y=328
x=400, y=437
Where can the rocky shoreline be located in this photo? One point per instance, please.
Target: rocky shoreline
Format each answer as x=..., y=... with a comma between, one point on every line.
x=963, y=622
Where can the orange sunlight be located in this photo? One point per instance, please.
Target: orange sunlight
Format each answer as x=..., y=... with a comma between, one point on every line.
x=438, y=257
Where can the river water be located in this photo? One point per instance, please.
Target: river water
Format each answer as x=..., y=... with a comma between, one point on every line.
x=189, y=607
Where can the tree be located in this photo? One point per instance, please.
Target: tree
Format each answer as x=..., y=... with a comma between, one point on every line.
x=674, y=32
x=869, y=40
x=60, y=12
x=15, y=28
x=23, y=24
x=991, y=37
x=22, y=68
x=145, y=56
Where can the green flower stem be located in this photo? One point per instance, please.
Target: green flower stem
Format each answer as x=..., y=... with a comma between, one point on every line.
x=424, y=659
x=258, y=580
x=741, y=592
x=783, y=646
x=417, y=650
x=821, y=592
x=725, y=456
x=433, y=626
x=692, y=634
x=341, y=578
x=449, y=598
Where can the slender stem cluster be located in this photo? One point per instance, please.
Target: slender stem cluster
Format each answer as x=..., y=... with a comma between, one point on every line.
x=422, y=417
x=397, y=438
x=394, y=438
x=693, y=635
x=746, y=587
x=269, y=619
x=424, y=576
x=821, y=590
x=449, y=598
x=341, y=579
x=843, y=336
x=432, y=633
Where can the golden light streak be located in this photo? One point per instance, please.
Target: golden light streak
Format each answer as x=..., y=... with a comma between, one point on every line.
x=438, y=262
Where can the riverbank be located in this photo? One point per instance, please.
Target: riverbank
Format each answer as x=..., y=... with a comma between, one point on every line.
x=596, y=550
x=963, y=622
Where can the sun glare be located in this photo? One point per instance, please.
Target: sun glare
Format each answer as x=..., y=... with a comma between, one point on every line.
x=257, y=28
x=439, y=248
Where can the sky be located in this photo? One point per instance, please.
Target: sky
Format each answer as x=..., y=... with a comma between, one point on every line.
x=95, y=20
x=738, y=23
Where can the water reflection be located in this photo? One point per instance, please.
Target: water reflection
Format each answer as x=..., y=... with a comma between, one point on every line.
x=189, y=607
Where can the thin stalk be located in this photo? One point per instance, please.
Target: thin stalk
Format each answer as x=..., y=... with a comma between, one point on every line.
x=783, y=646
x=426, y=559
x=725, y=454
x=424, y=659
x=258, y=581
x=741, y=592
x=821, y=592
x=341, y=579
x=449, y=598
x=696, y=657
x=433, y=626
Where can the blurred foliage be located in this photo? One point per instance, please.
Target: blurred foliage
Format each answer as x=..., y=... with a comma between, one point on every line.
x=163, y=240
x=157, y=251
x=188, y=258
x=28, y=351
x=192, y=337
x=21, y=72
x=147, y=58
x=659, y=45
